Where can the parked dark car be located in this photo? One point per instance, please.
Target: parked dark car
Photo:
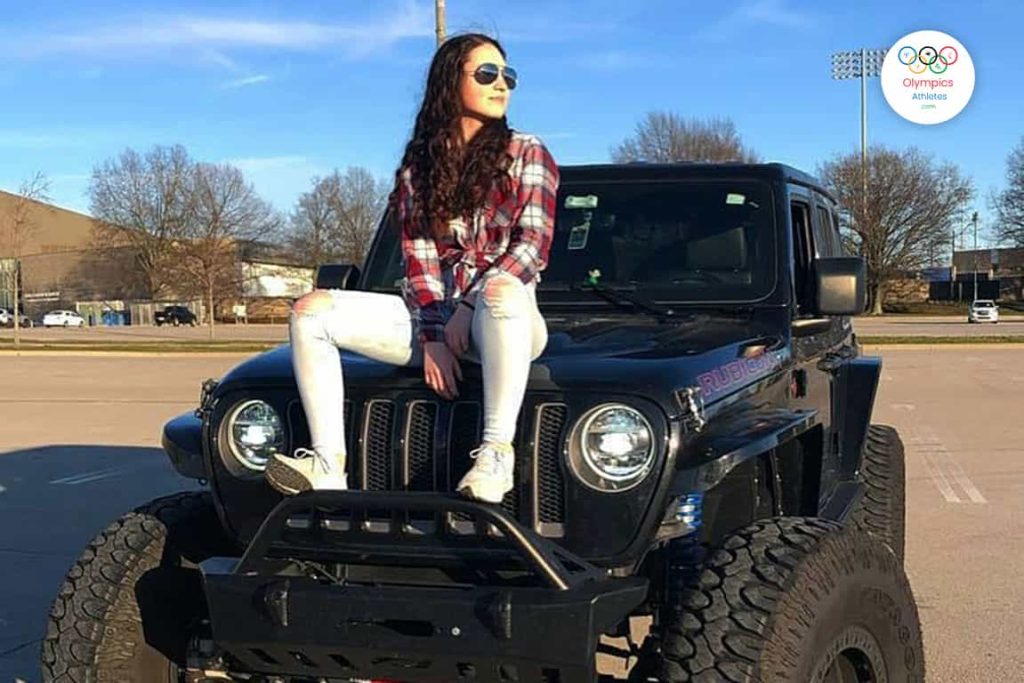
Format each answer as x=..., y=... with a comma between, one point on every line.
x=695, y=447
x=175, y=315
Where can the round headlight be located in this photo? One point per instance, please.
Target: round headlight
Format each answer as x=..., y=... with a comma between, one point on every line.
x=615, y=446
x=253, y=432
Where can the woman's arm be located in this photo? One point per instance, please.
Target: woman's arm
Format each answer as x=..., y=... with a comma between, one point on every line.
x=534, y=226
x=422, y=273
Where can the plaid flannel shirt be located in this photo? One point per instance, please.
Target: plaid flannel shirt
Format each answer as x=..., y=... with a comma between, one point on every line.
x=511, y=234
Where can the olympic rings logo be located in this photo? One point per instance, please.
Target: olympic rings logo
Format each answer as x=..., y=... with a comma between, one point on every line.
x=928, y=58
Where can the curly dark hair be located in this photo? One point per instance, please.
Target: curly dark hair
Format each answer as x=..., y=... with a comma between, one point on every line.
x=450, y=179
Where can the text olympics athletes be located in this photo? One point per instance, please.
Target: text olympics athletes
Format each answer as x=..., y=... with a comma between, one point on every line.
x=928, y=59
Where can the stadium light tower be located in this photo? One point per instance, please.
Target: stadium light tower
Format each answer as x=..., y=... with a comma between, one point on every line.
x=862, y=64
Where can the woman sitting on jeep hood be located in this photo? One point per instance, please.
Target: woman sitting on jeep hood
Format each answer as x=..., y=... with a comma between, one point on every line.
x=475, y=203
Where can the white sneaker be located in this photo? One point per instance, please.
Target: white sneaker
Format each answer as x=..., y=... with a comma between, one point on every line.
x=492, y=475
x=306, y=470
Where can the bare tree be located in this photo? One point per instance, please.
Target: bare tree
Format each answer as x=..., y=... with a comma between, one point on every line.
x=16, y=226
x=223, y=211
x=336, y=219
x=363, y=199
x=668, y=137
x=140, y=202
x=1010, y=202
x=909, y=211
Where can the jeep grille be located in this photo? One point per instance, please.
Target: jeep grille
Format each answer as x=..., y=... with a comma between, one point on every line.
x=421, y=444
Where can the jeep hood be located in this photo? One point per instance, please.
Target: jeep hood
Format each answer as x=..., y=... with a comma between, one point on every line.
x=612, y=356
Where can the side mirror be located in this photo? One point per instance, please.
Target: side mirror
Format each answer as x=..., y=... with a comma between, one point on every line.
x=337, y=276
x=840, y=285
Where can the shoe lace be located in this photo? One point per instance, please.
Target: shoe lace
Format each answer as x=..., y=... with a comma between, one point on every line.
x=488, y=459
x=319, y=460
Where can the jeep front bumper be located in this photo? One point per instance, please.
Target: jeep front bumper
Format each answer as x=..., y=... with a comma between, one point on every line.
x=273, y=621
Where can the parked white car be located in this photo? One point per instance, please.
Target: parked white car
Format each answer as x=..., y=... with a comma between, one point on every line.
x=983, y=311
x=63, y=319
x=7, y=318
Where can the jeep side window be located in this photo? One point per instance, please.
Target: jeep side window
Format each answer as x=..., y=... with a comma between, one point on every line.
x=803, y=253
x=824, y=235
x=840, y=249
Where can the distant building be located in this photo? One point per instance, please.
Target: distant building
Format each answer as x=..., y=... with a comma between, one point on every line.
x=995, y=262
x=52, y=254
x=1003, y=266
x=61, y=268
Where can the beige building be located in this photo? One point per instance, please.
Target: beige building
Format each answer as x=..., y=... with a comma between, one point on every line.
x=57, y=243
x=62, y=267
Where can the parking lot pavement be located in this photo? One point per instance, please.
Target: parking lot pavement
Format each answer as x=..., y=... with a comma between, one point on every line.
x=79, y=447
x=958, y=411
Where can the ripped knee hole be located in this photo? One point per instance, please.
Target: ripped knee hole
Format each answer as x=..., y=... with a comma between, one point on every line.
x=505, y=297
x=313, y=303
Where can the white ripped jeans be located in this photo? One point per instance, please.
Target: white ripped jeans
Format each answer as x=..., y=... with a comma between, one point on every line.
x=508, y=332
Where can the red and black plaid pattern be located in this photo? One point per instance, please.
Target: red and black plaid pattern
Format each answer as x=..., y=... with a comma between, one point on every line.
x=511, y=234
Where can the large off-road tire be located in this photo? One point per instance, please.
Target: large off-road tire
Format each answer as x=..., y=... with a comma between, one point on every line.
x=799, y=600
x=882, y=509
x=129, y=605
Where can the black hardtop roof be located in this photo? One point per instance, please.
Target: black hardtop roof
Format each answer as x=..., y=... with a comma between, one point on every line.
x=668, y=171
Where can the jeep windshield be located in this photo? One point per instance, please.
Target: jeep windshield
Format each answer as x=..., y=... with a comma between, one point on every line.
x=678, y=241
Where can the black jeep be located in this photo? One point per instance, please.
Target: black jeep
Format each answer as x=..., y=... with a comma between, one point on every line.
x=175, y=315
x=695, y=460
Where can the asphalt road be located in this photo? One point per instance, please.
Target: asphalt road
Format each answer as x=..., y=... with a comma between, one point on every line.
x=936, y=326
x=79, y=445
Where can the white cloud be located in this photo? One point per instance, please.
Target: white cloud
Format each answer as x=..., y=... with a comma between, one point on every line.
x=248, y=80
x=757, y=13
x=149, y=34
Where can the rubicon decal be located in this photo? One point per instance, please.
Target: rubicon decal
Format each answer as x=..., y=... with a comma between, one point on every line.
x=738, y=373
x=927, y=77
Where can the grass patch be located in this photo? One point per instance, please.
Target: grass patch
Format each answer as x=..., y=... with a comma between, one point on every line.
x=924, y=339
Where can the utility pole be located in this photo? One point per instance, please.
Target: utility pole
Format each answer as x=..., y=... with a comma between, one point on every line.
x=439, y=20
x=974, y=219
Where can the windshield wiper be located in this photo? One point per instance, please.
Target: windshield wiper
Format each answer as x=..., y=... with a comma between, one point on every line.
x=623, y=300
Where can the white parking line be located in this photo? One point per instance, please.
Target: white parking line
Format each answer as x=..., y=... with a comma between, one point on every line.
x=938, y=477
x=954, y=467
x=943, y=468
x=86, y=477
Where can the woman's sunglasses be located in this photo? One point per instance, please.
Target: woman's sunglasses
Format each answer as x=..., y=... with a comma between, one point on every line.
x=486, y=74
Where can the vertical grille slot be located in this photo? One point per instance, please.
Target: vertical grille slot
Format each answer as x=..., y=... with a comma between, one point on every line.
x=550, y=479
x=377, y=430
x=464, y=436
x=419, y=445
x=511, y=500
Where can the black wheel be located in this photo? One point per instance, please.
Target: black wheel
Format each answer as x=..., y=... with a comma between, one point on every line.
x=882, y=510
x=789, y=599
x=128, y=606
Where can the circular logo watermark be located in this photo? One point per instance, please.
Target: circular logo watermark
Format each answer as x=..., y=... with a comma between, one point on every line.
x=927, y=77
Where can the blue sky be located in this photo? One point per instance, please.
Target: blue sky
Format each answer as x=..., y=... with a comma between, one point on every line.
x=291, y=90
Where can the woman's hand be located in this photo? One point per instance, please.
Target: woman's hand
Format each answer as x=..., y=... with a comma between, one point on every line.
x=456, y=332
x=441, y=369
